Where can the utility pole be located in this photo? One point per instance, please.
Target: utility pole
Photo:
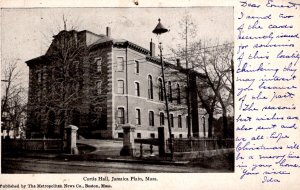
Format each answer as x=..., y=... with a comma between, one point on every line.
x=187, y=81
x=160, y=29
x=166, y=99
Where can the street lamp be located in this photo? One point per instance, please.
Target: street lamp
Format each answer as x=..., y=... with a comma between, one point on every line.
x=158, y=30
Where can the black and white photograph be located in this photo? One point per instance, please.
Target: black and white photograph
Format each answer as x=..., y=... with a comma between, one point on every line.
x=117, y=90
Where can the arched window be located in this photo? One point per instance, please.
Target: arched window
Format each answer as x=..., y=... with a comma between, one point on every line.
x=178, y=94
x=179, y=121
x=162, y=119
x=121, y=116
x=160, y=90
x=150, y=87
x=138, y=117
x=137, y=89
x=172, y=120
x=151, y=118
x=137, y=67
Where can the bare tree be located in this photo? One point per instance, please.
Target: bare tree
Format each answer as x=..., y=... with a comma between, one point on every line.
x=13, y=98
x=216, y=64
x=61, y=22
x=208, y=101
x=216, y=67
x=67, y=77
x=188, y=31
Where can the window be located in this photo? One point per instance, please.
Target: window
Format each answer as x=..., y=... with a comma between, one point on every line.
x=179, y=121
x=152, y=135
x=171, y=120
x=150, y=87
x=137, y=89
x=138, y=135
x=120, y=87
x=151, y=118
x=98, y=86
x=162, y=119
x=121, y=116
x=99, y=64
x=120, y=135
x=180, y=136
x=120, y=63
x=137, y=67
x=138, y=117
x=178, y=94
x=160, y=88
x=170, y=91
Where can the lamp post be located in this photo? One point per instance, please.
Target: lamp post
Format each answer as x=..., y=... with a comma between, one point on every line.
x=158, y=30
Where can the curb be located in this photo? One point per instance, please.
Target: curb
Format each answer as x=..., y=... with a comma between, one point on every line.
x=157, y=162
x=93, y=157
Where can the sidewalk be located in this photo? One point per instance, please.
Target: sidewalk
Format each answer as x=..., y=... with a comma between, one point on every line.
x=105, y=151
x=109, y=150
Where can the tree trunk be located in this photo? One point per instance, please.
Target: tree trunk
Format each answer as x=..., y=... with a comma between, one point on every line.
x=210, y=124
x=224, y=114
x=62, y=128
x=225, y=123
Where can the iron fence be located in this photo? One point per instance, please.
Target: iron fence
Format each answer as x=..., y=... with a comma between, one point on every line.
x=188, y=145
x=32, y=144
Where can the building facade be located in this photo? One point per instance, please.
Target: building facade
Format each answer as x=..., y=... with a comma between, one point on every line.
x=99, y=83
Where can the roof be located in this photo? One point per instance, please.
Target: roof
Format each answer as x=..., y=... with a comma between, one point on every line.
x=120, y=43
x=40, y=58
x=172, y=66
x=103, y=39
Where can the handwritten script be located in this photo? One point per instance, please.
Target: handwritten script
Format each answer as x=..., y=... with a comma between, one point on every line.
x=267, y=60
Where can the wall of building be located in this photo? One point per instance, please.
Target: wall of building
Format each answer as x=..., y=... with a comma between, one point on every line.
x=85, y=103
x=104, y=101
x=108, y=102
x=142, y=102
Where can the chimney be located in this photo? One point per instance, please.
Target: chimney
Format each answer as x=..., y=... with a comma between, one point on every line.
x=178, y=62
x=108, y=32
x=152, y=48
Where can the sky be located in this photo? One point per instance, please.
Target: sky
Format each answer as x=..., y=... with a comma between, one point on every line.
x=27, y=33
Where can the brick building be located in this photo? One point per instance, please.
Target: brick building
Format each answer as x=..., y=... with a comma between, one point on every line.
x=98, y=83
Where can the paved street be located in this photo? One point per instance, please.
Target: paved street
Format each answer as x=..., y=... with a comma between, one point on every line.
x=111, y=148
x=33, y=165
x=100, y=150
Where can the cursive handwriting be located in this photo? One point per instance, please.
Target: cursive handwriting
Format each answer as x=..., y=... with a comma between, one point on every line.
x=267, y=83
